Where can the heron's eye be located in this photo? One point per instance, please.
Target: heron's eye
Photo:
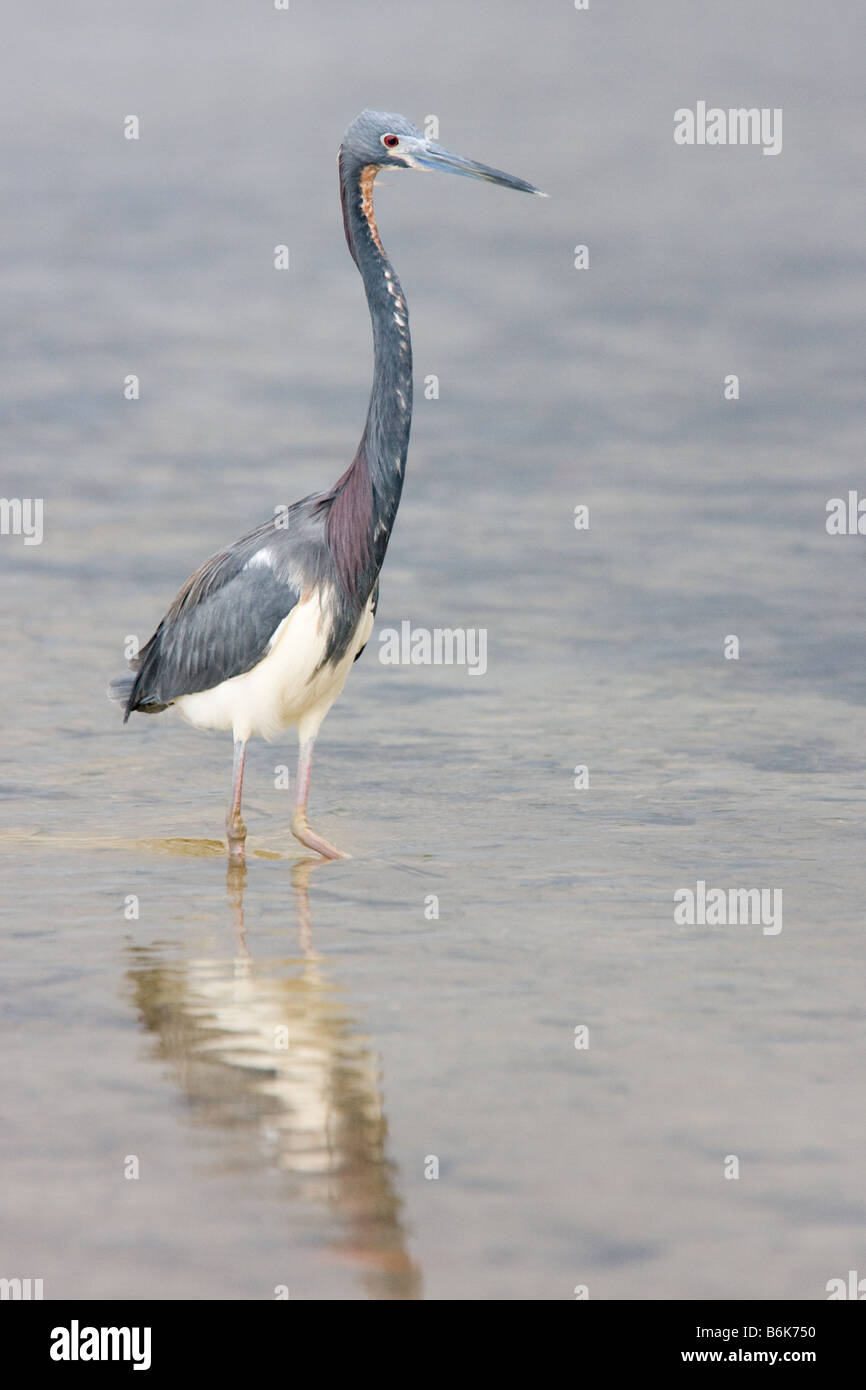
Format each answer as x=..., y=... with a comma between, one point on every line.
x=390, y=141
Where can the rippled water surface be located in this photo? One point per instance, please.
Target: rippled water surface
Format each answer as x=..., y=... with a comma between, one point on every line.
x=286, y=1050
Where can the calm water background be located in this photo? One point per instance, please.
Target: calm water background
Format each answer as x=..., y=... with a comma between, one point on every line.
x=453, y=1037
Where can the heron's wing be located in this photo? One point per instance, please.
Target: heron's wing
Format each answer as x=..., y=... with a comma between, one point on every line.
x=220, y=624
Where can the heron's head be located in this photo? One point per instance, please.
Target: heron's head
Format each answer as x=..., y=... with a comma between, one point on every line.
x=383, y=140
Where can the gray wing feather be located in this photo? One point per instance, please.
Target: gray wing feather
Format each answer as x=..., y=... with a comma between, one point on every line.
x=219, y=626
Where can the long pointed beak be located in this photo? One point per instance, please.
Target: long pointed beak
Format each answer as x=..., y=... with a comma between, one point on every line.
x=426, y=155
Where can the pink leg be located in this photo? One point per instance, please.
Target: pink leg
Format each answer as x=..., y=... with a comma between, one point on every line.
x=236, y=831
x=300, y=829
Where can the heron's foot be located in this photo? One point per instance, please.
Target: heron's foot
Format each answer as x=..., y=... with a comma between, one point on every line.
x=308, y=837
x=236, y=834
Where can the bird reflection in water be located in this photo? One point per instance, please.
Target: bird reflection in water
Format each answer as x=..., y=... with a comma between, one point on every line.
x=310, y=1111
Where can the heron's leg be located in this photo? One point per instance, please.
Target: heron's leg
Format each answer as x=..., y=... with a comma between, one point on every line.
x=236, y=831
x=300, y=829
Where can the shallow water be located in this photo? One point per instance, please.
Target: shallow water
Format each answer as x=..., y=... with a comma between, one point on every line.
x=410, y=1038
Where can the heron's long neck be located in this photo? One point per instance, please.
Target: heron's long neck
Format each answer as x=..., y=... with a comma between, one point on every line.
x=366, y=498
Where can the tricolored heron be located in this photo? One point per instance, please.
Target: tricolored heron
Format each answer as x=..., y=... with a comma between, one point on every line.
x=264, y=634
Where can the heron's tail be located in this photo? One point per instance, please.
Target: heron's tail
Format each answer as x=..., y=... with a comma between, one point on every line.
x=120, y=688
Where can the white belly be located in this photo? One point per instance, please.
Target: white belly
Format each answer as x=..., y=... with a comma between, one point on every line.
x=281, y=690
